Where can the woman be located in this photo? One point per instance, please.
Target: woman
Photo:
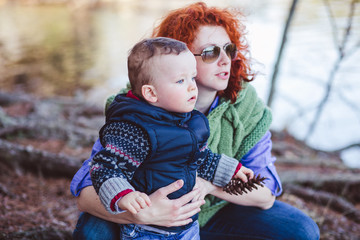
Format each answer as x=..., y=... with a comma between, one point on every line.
x=239, y=124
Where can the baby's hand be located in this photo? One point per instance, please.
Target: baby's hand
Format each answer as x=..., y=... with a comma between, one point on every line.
x=134, y=202
x=244, y=174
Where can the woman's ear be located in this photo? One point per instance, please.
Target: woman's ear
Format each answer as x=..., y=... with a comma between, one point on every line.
x=149, y=93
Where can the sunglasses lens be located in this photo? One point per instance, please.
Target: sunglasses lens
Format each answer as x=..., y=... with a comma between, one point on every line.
x=231, y=50
x=210, y=54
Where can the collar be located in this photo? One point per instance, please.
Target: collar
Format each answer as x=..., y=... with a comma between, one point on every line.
x=130, y=94
x=130, y=103
x=214, y=104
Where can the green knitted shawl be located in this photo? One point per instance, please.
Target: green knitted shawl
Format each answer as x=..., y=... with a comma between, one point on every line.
x=234, y=130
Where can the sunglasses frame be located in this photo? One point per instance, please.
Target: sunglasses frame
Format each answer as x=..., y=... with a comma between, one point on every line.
x=213, y=47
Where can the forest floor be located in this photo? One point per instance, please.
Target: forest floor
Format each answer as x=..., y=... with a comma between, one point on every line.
x=36, y=206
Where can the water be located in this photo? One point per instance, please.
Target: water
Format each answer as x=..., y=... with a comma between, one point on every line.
x=309, y=58
x=78, y=51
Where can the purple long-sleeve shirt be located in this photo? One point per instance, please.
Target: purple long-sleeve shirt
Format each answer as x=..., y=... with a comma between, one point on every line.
x=259, y=159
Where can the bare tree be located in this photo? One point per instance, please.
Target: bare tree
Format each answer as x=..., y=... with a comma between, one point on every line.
x=342, y=54
x=344, y=51
x=279, y=57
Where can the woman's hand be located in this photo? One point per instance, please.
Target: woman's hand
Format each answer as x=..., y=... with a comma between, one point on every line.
x=162, y=212
x=205, y=188
x=169, y=213
x=260, y=197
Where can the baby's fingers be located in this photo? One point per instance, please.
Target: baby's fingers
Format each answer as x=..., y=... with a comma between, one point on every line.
x=242, y=176
x=250, y=173
x=147, y=199
x=132, y=208
x=143, y=201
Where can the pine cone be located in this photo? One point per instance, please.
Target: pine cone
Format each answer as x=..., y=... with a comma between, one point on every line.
x=237, y=186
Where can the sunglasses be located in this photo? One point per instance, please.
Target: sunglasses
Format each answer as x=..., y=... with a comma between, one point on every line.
x=212, y=53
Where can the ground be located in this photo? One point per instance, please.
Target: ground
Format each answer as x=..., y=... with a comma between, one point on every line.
x=32, y=207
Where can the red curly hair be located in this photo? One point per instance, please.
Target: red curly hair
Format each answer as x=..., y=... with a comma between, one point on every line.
x=183, y=24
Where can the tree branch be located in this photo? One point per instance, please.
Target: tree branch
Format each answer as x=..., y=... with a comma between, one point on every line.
x=326, y=199
x=28, y=158
x=278, y=60
x=336, y=65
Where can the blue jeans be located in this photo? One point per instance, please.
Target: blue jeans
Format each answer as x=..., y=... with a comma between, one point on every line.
x=282, y=221
x=131, y=231
x=90, y=227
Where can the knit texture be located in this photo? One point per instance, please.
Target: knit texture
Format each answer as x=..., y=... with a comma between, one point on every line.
x=234, y=130
x=226, y=165
x=208, y=170
x=126, y=146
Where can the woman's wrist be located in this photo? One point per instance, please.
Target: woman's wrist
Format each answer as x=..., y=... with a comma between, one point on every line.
x=261, y=197
x=205, y=187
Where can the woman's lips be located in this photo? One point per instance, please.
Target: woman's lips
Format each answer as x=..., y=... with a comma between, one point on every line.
x=223, y=75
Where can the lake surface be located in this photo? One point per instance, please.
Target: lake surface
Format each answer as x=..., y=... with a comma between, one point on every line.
x=81, y=51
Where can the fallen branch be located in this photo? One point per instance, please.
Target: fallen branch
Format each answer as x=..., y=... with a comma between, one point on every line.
x=49, y=164
x=13, y=130
x=11, y=98
x=334, y=202
x=39, y=128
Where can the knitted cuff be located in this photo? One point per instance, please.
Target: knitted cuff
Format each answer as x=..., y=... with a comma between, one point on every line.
x=110, y=189
x=225, y=170
x=115, y=200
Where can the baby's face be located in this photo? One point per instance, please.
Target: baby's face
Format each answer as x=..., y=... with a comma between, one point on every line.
x=174, y=81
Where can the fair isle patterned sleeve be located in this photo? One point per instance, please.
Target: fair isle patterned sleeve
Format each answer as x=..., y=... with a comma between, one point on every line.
x=126, y=146
x=216, y=168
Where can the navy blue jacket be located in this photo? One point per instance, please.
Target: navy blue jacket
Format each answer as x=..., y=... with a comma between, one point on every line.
x=176, y=139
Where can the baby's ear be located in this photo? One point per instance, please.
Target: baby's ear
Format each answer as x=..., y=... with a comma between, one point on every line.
x=149, y=93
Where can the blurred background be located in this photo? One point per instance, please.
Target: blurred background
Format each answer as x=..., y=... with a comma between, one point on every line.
x=79, y=49
x=61, y=59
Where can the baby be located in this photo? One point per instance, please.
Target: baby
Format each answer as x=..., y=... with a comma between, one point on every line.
x=153, y=137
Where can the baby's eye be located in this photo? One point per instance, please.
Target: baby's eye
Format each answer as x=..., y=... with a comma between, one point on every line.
x=180, y=81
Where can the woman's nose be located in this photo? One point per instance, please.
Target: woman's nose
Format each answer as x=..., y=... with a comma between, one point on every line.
x=224, y=59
